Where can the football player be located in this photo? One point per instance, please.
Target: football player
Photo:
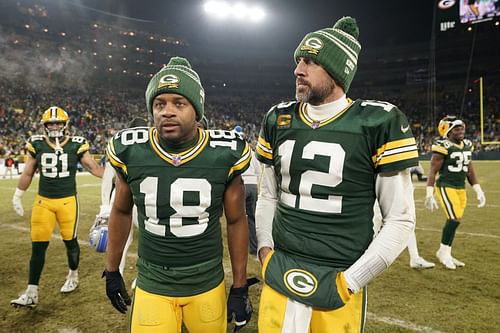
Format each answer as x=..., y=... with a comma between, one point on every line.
x=56, y=155
x=327, y=159
x=452, y=159
x=181, y=178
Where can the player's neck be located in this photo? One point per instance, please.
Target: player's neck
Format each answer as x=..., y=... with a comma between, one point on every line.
x=327, y=110
x=177, y=147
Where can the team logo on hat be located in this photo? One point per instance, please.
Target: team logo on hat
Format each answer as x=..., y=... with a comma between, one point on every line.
x=170, y=81
x=312, y=45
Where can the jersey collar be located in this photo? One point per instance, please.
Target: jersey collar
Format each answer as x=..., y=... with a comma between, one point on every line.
x=304, y=116
x=180, y=158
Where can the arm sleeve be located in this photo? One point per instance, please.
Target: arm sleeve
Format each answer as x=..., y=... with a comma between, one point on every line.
x=266, y=205
x=106, y=189
x=395, y=196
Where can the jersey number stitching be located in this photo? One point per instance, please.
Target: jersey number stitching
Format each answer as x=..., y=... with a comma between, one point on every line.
x=332, y=178
x=149, y=186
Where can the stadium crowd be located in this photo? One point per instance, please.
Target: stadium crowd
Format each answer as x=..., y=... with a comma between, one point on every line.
x=97, y=113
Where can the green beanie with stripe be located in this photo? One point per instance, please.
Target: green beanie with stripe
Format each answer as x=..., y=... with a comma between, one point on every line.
x=336, y=49
x=177, y=77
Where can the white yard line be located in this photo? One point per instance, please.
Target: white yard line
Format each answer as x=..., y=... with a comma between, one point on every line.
x=474, y=234
x=401, y=323
x=54, y=236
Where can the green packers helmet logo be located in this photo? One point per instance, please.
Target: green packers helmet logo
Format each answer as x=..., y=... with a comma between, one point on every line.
x=312, y=45
x=170, y=81
x=300, y=282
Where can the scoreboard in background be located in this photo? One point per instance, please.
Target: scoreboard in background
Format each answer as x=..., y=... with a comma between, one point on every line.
x=451, y=13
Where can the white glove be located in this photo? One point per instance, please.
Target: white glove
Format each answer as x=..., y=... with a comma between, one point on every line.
x=430, y=201
x=17, y=203
x=480, y=195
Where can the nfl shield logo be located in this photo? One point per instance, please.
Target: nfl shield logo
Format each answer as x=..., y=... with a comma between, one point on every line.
x=176, y=160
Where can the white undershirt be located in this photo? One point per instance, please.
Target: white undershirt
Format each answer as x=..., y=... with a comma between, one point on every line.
x=328, y=110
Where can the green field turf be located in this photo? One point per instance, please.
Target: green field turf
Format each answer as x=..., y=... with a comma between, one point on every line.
x=400, y=300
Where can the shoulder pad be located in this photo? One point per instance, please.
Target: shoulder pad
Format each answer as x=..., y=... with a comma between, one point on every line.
x=78, y=139
x=374, y=105
x=130, y=136
x=36, y=137
x=284, y=105
x=226, y=136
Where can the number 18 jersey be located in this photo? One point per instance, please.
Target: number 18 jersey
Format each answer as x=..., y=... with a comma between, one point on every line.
x=326, y=172
x=179, y=199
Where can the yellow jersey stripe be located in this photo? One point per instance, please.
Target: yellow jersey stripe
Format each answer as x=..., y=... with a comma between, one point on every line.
x=398, y=157
x=439, y=149
x=83, y=148
x=113, y=159
x=263, y=153
x=304, y=116
x=264, y=143
x=182, y=157
x=30, y=148
x=393, y=145
x=246, y=156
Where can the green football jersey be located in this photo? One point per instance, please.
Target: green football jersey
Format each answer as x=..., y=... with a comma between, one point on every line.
x=57, y=166
x=457, y=157
x=179, y=199
x=326, y=172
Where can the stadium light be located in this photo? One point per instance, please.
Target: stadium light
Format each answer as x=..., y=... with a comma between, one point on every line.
x=238, y=11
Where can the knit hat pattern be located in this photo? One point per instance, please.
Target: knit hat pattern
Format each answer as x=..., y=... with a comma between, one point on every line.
x=336, y=49
x=177, y=77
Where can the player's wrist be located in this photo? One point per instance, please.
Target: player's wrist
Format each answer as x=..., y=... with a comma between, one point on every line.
x=429, y=191
x=18, y=193
x=477, y=188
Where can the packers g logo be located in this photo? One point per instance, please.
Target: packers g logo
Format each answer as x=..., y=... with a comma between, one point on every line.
x=445, y=4
x=312, y=45
x=300, y=282
x=170, y=81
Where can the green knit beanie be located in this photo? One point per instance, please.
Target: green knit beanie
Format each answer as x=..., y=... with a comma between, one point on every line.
x=177, y=77
x=336, y=49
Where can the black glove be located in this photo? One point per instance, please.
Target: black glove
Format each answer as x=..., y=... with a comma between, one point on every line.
x=239, y=305
x=115, y=289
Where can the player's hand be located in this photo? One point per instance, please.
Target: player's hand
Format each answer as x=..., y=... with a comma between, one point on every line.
x=263, y=253
x=481, y=198
x=430, y=201
x=239, y=307
x=17, y=203
x=115, y=290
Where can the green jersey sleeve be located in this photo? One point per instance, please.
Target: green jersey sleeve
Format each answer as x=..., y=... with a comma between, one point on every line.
x=395, y=146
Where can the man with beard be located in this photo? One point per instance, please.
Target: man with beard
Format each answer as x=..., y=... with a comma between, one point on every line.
x=327, y=159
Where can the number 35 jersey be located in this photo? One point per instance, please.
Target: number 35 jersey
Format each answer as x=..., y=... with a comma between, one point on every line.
x=179, y=197
x=57, y=166
x=326, y=172
x=455, y=164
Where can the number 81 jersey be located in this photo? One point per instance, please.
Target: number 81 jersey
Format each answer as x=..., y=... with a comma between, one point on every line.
x=57, y=165
x=179, y=196
x=326, y=175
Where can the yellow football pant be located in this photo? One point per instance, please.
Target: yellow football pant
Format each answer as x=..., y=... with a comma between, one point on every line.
x=273, y=314
x=203, y=313
x=46, y=212
x=453, y=201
